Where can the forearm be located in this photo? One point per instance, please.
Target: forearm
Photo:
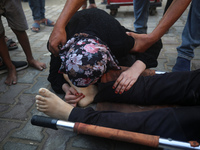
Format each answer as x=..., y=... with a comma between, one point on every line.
x=68, y=11
x=138, y=67
x=171, y=16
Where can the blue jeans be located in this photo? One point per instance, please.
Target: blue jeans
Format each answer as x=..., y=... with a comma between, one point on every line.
x=38, y=9
x=191, y=32
x=141, y=14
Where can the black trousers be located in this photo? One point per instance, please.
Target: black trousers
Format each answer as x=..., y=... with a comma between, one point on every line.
x=180, y=88
x=179, y=123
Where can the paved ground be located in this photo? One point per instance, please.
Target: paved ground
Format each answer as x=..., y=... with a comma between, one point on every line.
x=17, y=102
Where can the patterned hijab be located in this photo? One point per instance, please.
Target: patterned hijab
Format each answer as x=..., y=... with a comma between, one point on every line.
x=85, y=59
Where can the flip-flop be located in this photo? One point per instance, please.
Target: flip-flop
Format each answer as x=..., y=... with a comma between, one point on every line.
x=35, y=25
x=9, y=42
x=47, y=22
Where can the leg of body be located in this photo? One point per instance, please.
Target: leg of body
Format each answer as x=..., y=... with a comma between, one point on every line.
x=157, y=122
x=156, y=90
x=190, y=39
x=141, y=14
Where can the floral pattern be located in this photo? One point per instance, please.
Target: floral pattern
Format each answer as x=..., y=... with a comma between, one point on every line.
x=85, y=58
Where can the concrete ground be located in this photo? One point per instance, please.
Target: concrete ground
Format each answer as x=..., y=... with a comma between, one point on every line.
x=17, y=102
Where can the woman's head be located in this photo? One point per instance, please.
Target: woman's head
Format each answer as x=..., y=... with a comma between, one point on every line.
x=85, y=59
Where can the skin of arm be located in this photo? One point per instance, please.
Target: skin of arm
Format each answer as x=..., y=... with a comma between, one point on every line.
x=144, y=41
x=58, y=35
x=127, y=78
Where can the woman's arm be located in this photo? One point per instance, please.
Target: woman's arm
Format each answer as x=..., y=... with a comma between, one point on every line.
x=127, y=78
x=58, y=35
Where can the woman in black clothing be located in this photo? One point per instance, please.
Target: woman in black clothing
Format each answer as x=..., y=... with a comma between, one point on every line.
x=97, y=23
x=182, y=88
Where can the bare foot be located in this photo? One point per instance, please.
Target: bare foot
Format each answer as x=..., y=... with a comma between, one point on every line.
x=50, y=104
x=12, y=77
x=36, y=64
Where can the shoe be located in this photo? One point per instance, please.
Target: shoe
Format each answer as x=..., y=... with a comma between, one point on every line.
x=182, y=64
x=35, y=27
x=19, y=65
x=10, y=44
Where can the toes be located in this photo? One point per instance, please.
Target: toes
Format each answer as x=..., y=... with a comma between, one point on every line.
x=40, y=109
x=39, y=98
x=39, y=102
x=41, y=106
x=44, y=92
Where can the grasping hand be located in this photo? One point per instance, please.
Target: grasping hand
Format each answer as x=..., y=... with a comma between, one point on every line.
x=142, y=42
x=71, y=95
x=127, y=78
x=58, y=38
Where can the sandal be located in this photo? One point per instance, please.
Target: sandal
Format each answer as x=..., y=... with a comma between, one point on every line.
x=35, y=27
x=48, y=22
x=10, y=44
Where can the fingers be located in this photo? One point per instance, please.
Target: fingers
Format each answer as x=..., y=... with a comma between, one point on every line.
x=74, y=101
x=130, y=34
x=123, y=83
x=74, y=91
x=73, y=97
x=54, y=49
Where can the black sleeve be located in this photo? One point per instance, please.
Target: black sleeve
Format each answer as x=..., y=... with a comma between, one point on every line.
x=56, y=79
x=149, y=57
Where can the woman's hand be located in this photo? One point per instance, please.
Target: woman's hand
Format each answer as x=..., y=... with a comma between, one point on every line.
x=71, y=95
x=127, y=78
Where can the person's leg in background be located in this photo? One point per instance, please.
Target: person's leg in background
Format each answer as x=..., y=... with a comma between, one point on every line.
x=4, y=54
x=190, y=39
x=92, y=4
x=35, y=6
x=38, y=12
x=141, y=14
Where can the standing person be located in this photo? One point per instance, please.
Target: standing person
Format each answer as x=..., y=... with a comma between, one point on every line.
x=38, y=13
x=13, y=12
x=190, y=39
x=141, y=14
x=142, y=41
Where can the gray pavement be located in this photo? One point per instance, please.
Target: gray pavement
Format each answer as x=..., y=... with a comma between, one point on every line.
x=17, y=102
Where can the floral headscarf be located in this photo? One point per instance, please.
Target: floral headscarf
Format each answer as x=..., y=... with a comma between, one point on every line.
x=85, y=59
